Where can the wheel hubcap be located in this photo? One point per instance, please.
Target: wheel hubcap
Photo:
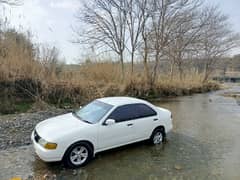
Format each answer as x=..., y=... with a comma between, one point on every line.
x=157, y=139
x=79, y=155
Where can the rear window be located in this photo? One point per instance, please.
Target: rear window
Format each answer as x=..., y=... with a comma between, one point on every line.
x=144, y=111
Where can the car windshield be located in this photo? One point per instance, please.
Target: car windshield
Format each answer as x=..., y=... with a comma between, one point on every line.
x=93, y=112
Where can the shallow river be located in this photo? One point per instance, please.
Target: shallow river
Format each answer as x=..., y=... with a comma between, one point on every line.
x=204, y=144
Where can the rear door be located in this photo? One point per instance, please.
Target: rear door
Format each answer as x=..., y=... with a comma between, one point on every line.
x=145, y=122
x=122, y=132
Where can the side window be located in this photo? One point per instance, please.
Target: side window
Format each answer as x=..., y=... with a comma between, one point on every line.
x=144, y=111
x=124, y=113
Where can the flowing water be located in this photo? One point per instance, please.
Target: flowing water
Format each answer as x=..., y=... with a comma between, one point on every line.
x=204, y=144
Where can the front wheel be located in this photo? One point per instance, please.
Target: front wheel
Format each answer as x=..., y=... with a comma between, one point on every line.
x=78, y=155
x=157, y=136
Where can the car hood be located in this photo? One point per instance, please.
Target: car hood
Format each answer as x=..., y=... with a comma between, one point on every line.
x=53, y=128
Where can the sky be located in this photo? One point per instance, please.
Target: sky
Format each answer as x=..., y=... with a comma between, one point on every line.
x=51, y=22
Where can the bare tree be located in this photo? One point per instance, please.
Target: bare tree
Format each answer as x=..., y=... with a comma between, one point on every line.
x=186, y=34
x=175, y=30
x=50, y=59
x=217, y=40
x=145, y=10
x=167, y=20
x=11, y=2
x=234, y=64
x=136, y=21
x=158, y=34
x=105, y=22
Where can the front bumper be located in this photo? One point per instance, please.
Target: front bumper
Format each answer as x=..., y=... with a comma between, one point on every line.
x=45, y=154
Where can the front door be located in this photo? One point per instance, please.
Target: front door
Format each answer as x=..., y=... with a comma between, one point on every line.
x=120, y=133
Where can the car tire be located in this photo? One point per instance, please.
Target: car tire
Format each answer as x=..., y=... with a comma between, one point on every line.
x=157, y=137
x=78, y=155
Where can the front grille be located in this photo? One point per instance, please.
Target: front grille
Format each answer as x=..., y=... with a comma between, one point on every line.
x=36, y=136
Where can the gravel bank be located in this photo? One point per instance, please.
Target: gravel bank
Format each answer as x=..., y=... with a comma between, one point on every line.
x=15, y=130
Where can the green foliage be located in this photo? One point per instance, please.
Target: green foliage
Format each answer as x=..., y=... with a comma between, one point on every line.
x=21, y=107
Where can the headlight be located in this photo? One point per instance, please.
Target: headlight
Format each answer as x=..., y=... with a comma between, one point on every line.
x=47, y=145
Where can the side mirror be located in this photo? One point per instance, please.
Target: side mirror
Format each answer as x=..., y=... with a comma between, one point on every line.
x=110, y=122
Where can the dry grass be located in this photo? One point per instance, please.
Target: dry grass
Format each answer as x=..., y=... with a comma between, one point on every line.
x=22, y=65
x=105, y=71
x=104, y=79
x=106, y=76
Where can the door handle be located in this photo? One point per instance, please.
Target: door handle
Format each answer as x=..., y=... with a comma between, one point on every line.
x=130, y=124
x=155, y=119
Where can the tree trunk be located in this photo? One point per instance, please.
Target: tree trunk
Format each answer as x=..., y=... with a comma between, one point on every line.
x=122, y=66
x=206, y=73
x=153, y=80
x=179, y=63
x=172, y=70
x=146, y=68
x=132, y=60
x=180, y=69
x=145, y=61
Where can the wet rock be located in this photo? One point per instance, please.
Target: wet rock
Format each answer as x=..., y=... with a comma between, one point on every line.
x=75, y=172
x=48, y=176
x=164, y=169
x=181, y=149
x=177, y=167
x=30, y=177
x=54, y=177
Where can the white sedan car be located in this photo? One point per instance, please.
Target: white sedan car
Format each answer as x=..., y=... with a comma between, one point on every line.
x=105, y=123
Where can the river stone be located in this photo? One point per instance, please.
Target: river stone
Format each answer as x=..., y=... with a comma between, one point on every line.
x=75, y=172
x=30, y=177
x=177, y=167
x=49, y=177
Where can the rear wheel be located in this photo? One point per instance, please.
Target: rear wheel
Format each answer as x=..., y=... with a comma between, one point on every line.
x=157, y=136
x=78, y=155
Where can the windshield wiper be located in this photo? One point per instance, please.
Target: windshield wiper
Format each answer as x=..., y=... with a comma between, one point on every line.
x=75, y=114
x=86, y=121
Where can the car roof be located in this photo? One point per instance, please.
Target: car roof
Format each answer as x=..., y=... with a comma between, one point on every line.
x=118, y=101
